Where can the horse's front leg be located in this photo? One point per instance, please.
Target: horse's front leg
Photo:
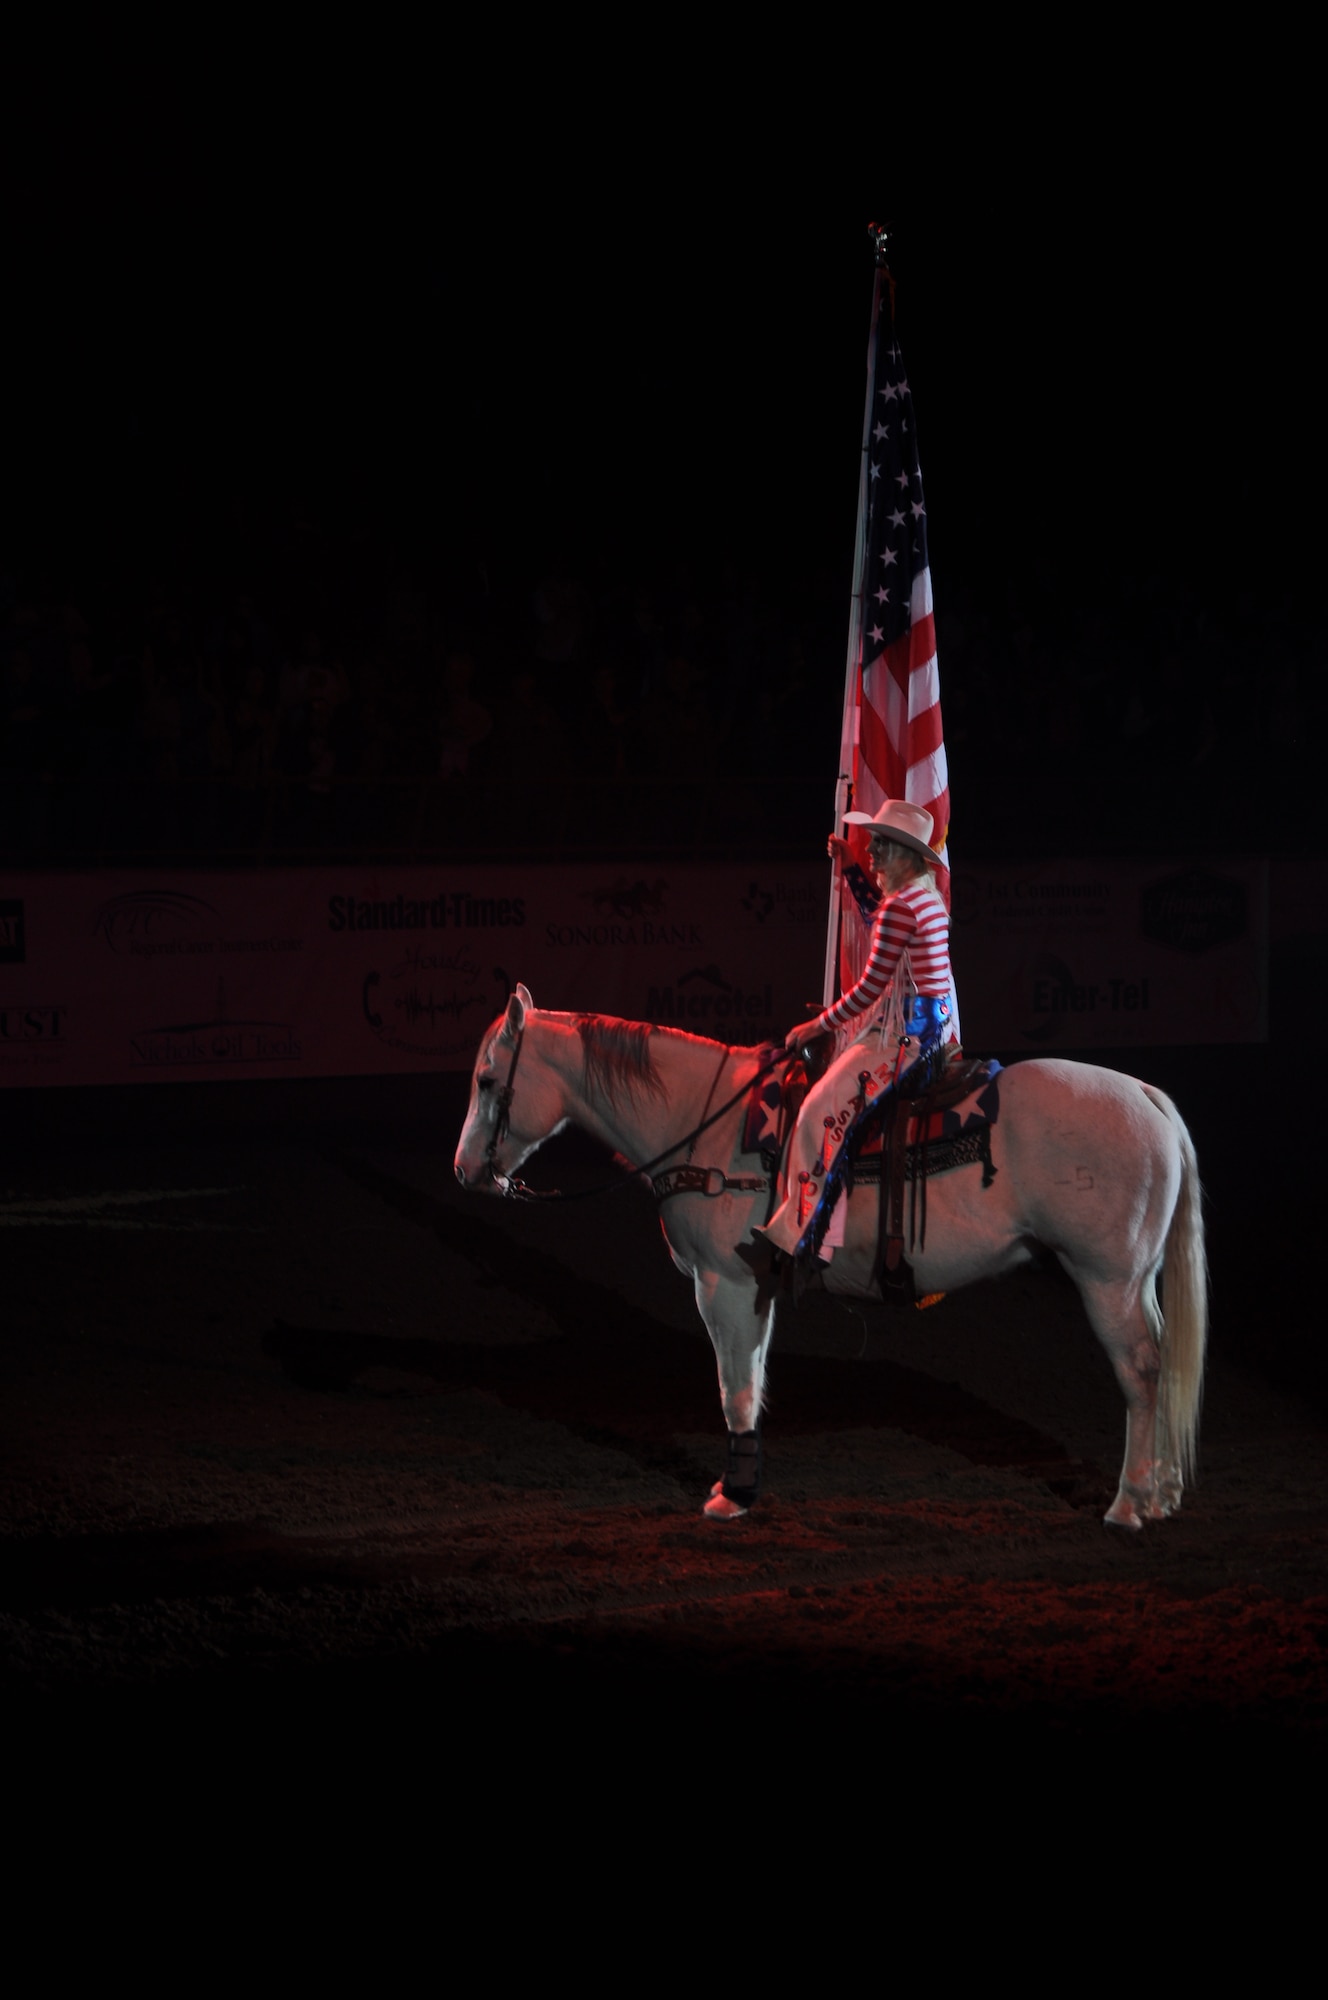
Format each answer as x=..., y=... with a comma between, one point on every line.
x=740, y=1326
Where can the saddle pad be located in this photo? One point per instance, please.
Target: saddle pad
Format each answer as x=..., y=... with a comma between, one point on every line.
x=942, y=1125
x=969, y=1148
x=760, y=1126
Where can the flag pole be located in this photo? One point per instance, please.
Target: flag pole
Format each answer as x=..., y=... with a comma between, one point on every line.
x=849, y=729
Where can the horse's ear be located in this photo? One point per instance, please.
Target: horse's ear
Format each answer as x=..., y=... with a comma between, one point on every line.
x=516, y=1013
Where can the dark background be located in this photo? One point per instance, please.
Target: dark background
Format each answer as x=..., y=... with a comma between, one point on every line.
x=1115, y=379
x=333, y=346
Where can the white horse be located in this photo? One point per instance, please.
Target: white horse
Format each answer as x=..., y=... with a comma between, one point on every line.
x=1093, y=1166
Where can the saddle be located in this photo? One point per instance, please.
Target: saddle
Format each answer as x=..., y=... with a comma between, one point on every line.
x=913, y=1139
x=905, y=1137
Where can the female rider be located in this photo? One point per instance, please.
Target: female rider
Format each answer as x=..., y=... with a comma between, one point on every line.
x=903, y=1002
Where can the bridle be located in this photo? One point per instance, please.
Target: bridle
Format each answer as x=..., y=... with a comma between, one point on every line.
x=502, y=1125
x=517, y=1190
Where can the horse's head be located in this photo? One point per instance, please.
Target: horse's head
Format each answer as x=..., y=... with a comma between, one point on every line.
x=516, y=1100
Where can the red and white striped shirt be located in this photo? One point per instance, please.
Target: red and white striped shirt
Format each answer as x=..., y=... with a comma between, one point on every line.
x=913, y=920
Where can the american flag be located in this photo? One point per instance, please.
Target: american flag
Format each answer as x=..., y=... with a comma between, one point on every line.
x=893, y=747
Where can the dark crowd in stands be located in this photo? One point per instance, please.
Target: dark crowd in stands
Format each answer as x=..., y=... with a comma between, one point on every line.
x=330, y=699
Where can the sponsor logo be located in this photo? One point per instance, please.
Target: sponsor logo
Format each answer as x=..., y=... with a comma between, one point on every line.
x=1059, y=997
x=19, y=1023
x=688, y=936
x=165, y=923
x=758, y=902
x=1194, y=911
x=149, y=916
x=418, y=961
x=797, y=902
x=458, y=910
x=1057, y=894
x=186, y=1044
x=13, y=936
x=628, y=900
x=423, y=1008
x=32, y=1033
x=1031, y=905
x=703, y=997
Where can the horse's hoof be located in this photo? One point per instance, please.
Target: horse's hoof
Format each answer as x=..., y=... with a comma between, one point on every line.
x=720, y=1508
x=1123, y=1513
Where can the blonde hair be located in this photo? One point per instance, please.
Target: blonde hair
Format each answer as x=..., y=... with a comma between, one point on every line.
x=890, y=852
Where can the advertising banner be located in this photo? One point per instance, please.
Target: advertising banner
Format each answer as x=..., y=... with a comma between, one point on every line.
x=1078, y=955
x=116, y=977
x=154, y=977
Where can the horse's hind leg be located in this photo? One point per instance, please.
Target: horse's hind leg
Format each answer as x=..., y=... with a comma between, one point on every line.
x=1125, y=1320
x=740, y=1327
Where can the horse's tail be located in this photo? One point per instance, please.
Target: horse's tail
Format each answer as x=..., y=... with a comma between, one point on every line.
x=1184, y=1319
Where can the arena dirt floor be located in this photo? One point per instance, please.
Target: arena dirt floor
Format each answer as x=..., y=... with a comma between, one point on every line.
x=290, y=1422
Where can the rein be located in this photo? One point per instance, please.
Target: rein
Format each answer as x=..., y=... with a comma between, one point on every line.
x=517, y=1190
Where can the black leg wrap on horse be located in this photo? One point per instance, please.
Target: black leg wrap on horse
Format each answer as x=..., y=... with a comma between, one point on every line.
x=742, y=1482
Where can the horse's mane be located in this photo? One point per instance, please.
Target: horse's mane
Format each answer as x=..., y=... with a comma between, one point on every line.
x=617, y=1057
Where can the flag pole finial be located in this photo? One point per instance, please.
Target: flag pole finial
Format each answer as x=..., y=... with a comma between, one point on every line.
x=880, y=232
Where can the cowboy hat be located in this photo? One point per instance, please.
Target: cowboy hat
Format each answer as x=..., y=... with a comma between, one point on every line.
x=897, y=820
